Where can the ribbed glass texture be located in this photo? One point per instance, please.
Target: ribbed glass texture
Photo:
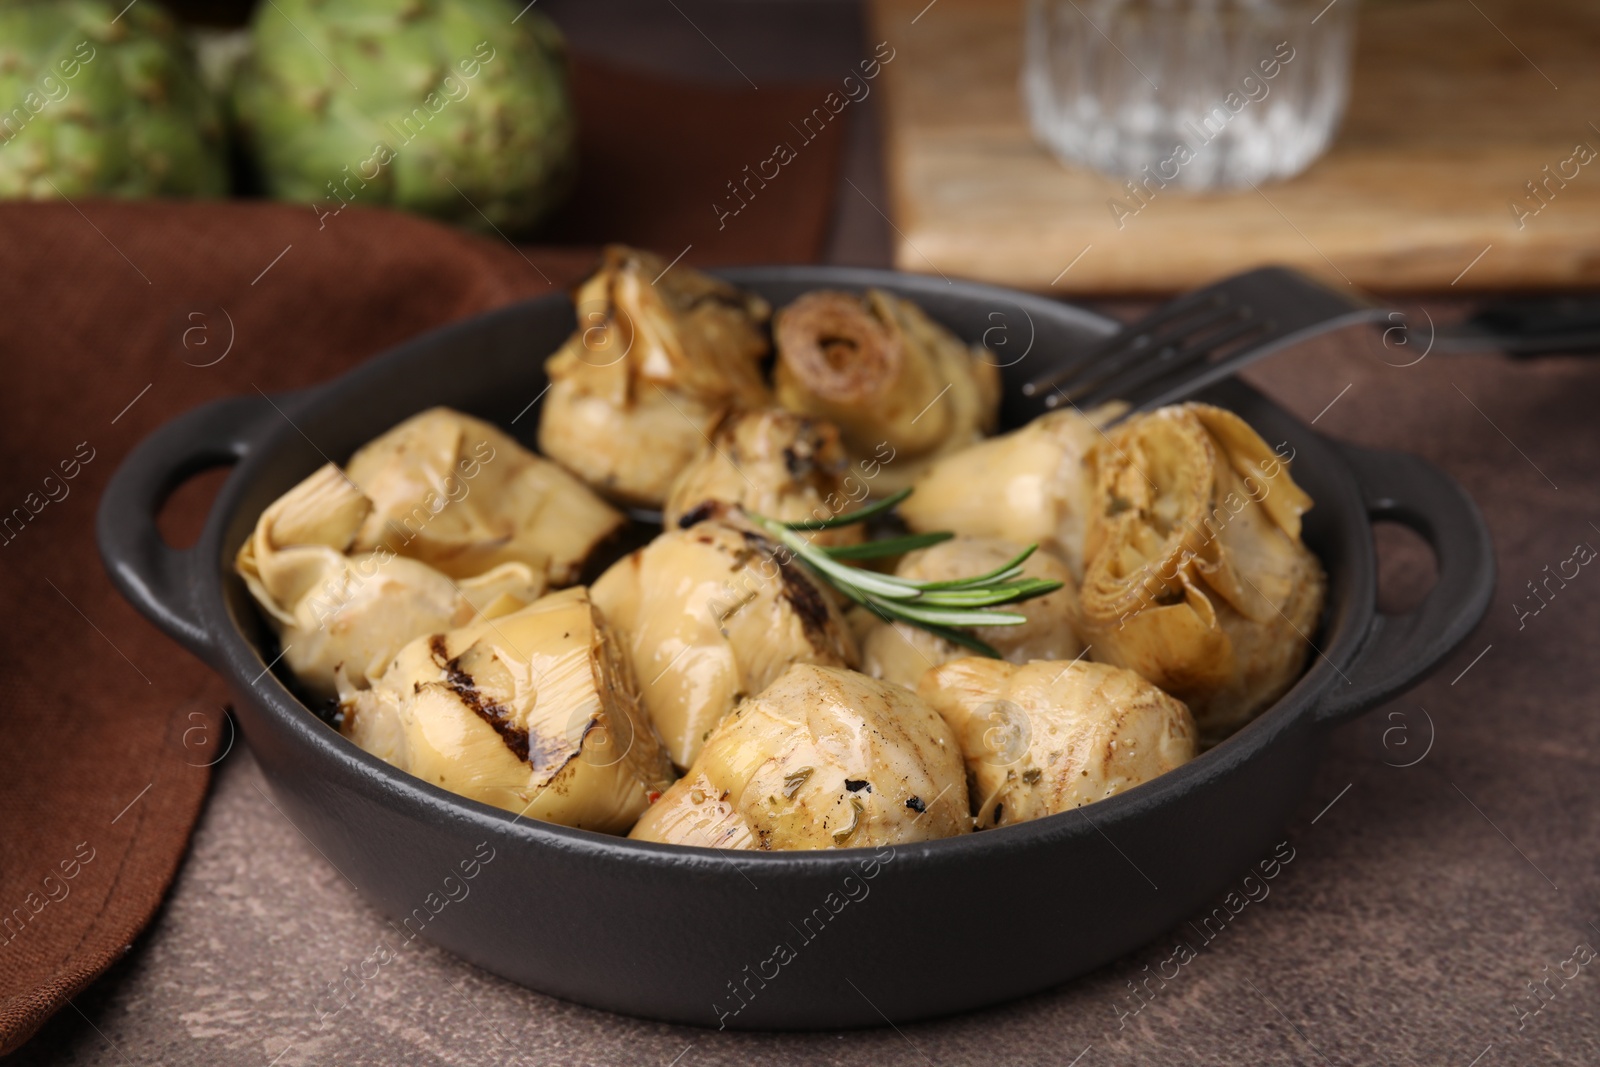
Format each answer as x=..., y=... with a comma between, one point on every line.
x=1206, y=94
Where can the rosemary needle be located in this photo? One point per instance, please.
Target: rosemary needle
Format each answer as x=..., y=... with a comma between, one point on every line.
x=943, y=608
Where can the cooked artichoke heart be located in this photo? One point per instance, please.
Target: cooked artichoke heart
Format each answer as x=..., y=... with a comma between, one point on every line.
x=534, y=712
x=332, y=606
x=659, y=357
x=1034, y=486
x=1196, y=575
x=462, y=496
x=774, y=463
x=1049, y=736
x=822, y=758
x=900, y=387
x=711, y=614
x=900, y=652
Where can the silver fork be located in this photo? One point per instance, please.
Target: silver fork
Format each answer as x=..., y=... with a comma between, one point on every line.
x=1199, y=338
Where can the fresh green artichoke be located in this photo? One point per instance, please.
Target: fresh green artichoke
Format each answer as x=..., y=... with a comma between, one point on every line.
x=93, y=103
x=458, y=109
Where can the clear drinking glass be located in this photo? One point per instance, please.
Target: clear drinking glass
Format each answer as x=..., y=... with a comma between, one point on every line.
x=1202, y=94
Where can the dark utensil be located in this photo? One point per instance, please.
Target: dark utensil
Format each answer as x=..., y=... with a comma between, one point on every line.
x=1201, y=337
x=692, y=935
x=1525, y=326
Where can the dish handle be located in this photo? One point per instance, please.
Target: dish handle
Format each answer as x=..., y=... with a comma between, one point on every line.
x=158, y=579
x=1399, y=650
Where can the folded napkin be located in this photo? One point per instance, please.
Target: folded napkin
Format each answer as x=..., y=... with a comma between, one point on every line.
x=121, y=316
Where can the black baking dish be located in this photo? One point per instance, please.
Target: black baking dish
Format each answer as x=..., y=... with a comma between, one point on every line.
x=777, y=940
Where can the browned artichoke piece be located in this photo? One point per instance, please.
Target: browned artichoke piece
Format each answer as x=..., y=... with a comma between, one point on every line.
x=1047, y=736
x=711, y=614
x=900, y=387
x=901, y=653
x=822, y=758
x=775, y=463
x=463, y=497
x=1196, y=575
x=659, y=357
x=536, y=712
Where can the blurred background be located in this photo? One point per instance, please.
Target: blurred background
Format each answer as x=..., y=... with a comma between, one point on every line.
x=1152, y=145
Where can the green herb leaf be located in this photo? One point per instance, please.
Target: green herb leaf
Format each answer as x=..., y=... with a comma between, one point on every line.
x=894, y=546
x=943, y=608
x=851, y=518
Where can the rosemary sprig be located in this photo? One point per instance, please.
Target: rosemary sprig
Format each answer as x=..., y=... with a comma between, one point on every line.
x=943, y=608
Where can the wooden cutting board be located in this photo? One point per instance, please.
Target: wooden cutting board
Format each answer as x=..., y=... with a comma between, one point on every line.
x=1455, y=105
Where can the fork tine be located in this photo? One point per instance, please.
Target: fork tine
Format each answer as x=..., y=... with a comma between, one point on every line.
x=1133, y=338
x=1147, y=348
x=1247, y=328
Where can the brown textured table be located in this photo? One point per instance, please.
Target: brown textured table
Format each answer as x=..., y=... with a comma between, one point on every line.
x=1420, y=902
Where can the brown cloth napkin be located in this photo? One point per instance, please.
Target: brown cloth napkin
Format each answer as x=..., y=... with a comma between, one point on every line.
x=119, y=317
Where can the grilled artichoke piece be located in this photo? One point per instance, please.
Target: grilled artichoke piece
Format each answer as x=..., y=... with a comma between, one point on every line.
x=822, y=758
x=900, y=387
x=460, y=495
x=659, y=357
x=901, y=653
x=535, y=712
x=334, y=607
x=775, y=463
x=1048, y=736
x=1196, y=574
x=1034, y=486
x=709, y=615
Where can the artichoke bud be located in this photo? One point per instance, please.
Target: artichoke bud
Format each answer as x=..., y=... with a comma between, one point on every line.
x=127, y=77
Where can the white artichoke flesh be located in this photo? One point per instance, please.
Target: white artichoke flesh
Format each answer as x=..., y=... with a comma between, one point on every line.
x=822, y=758
x=710, y=615
x=536, y=712
x=1048, y=736
x=659, y=357
x=1196, y=574
x=900, y=652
